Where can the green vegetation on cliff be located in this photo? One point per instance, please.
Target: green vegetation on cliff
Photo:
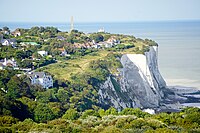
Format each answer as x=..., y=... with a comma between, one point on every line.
x=72, y=105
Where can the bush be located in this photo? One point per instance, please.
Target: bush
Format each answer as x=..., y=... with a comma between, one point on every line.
x=89, y=112
x=5, y=130
x=24, y=126
x=7, y=121
x=161, y=130
x=138, y=123
x=43, y=113
x=112, y=129
x=71, y=114
x=97, y=37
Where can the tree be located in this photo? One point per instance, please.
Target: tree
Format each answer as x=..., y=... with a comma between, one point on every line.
x=71, y=114
x=97, y=37
x=62, y=95
x=6, y=28
x=7, y=120
x=89, y=112
x=56, y=108
x=24, y=126
x=26, y=63
x=46, y=96
x=36, y=55
x=20, y=55
x=17, y=88
x=101, y=112
x=5, y=76
x=13, y=88
x=43, y=113
x=48, y=49
x=106, y=37
x=111, y=111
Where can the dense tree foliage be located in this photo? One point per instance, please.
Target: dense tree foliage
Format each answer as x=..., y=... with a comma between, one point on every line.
x=93, y=121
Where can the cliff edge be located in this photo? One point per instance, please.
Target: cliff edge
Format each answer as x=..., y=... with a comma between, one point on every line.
x=138, y=84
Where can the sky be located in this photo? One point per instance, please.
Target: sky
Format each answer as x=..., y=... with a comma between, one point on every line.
x=98, y=10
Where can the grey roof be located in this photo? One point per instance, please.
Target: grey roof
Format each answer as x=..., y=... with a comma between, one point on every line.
x=13, y=40
x=9, y=40
x=60, y=37
x=2, y=60
x=3, y=40
x=38, y=74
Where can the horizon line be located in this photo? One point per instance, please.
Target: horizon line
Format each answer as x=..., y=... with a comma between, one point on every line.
x=171, y=20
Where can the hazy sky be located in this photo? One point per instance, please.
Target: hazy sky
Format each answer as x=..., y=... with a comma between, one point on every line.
x=98, y=10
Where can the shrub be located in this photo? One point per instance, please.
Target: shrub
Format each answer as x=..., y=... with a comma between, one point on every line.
x=24, y=126
x=71, y=114
x=7, y=121
x=161, y=130
x=112, y=129
x=5, y=130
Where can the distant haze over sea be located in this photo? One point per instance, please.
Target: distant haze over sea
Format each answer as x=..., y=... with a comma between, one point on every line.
x=179, y=44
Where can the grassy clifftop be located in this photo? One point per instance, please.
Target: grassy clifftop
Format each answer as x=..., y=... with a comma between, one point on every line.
x=64, y=69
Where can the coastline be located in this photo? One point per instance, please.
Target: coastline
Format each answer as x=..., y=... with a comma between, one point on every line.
x=185, y=83
x=139, y=29
x=173, y=39
x=191, y=94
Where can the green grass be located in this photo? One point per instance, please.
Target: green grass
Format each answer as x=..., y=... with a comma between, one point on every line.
x=64, y=69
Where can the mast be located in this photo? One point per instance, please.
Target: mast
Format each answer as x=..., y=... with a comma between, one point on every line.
x=72, y=24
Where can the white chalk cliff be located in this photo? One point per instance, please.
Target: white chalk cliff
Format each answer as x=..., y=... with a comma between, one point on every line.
x=139, y=83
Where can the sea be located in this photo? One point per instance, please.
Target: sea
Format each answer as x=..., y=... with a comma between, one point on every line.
x=179, y=44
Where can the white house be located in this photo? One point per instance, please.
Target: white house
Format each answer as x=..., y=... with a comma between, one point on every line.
x=105, y=44
x=11, y=63
x=41, y=78
x=113, y=41
x=16, y=33
x=64, y=52
x=7, y=42
x=101, y=30
x=43, y=53
x=108, y=45
x=6, y=32
x=96, y=46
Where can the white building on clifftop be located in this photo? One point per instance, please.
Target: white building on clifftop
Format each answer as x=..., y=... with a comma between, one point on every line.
x=41, y=78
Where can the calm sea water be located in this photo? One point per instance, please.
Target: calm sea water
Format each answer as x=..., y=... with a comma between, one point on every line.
x=179, y=44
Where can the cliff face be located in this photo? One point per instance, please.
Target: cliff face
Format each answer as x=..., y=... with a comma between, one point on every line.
x=139, y=83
